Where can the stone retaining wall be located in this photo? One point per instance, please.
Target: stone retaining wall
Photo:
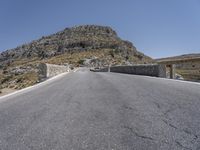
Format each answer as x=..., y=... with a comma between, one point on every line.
x=100, y=70
x=146, y=69
x=189, y=65
x=50, y=70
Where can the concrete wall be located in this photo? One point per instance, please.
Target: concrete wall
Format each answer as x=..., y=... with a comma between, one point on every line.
x=50, y=70
x=147, y=70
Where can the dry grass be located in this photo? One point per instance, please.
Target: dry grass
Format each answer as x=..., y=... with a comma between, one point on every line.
x=6, y=91
x=191, y=75
x=74, y=58
x=27, y=79
x=26, y=62
x=18, y=81
x=104, y=54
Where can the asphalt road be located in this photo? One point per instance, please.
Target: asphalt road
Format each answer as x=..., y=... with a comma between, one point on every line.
x=102, y=111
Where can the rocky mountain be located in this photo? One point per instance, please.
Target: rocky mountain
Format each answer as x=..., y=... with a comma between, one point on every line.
x=80, y=45
x=71, y=40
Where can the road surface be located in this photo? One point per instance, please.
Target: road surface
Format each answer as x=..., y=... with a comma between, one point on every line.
x=102, y=111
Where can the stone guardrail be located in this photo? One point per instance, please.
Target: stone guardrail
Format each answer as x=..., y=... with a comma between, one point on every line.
x=144, y=69
x=50, y=70
x=100, y=70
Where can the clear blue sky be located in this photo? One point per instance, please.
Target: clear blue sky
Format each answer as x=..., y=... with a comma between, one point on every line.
x=159, y=28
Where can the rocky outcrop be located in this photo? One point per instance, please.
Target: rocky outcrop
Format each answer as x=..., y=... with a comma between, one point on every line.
x=70, y=40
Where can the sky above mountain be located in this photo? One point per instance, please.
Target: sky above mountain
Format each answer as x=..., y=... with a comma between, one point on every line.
x=158, y=28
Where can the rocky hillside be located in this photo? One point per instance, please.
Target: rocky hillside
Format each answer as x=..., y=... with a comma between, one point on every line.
x=82, y=45
x=180, y=57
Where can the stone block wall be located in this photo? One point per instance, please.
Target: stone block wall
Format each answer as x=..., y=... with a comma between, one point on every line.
x=100, y=70
x=146, y=69
x=50, y=70
x=189, y=65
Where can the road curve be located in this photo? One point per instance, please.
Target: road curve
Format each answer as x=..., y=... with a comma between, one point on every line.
x=102, y=111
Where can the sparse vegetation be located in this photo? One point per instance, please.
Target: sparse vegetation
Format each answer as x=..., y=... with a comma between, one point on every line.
x=111, y=53
x=18, y=67
x=81, y=61
x=190, y=75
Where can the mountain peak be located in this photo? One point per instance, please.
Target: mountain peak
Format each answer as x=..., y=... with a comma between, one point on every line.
x=74, y=39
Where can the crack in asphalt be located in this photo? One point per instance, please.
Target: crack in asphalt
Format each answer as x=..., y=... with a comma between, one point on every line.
x=169, y=124
x=157, y=105
x=137, y=134
x=181, y=130
x=188, y=132
x=128, y=107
